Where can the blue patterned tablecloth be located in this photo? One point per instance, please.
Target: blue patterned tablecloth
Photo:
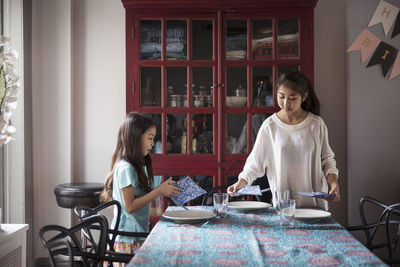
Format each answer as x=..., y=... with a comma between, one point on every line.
x=252, y=239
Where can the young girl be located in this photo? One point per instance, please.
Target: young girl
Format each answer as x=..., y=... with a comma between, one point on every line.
x=130, y=180
x=292, y=145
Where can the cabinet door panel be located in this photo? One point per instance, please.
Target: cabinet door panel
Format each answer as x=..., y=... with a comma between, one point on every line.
x=176, y=134
x=150, y=94
x=262, y=39
x=176, y=39
x=202, y=90
x=262, y=87
x=202, y=40
x=176, y=87
x=150, y=39
x=288, y=38
x=236, y=40
x=202, y=134
x=236, y=90
x=236, y=129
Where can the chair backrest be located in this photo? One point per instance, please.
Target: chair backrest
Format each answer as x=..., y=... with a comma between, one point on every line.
x=382, y=217
x=59, y=240
x=393, y=234
x=83, y=212
x=370, y=232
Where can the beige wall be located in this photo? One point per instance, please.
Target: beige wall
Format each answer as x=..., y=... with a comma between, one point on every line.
x=373, y=117
x=78, y=88
x=330, y=85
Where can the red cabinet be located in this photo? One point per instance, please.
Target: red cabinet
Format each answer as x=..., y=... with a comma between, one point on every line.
x=205, y=71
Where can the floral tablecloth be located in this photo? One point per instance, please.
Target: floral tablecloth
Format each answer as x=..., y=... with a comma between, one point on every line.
x=252, y=239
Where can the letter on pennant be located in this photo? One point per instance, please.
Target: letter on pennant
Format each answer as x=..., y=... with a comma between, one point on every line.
x=366, y=42
x=386, y=14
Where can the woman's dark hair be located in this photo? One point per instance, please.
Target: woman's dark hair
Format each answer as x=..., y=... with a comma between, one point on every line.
x=128, y=148
x=298, y=82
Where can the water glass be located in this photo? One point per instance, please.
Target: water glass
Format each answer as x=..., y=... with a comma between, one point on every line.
x=278, y=196
x=287, y=211
x=221, y=204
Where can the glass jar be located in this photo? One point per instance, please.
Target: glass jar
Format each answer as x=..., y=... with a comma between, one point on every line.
x=198, y=101
x=240, y=91
x=184, y=100
x=202, y=90
x=175, y=101
x=210, y=101
x=170, y=90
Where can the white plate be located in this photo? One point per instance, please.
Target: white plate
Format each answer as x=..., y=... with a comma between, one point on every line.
x=188, y=216
x=247, y=205
x=311, y=214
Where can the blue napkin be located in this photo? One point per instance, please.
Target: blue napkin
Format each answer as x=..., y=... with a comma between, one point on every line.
x=317, y=194
x=250, y=190
x=190, y=191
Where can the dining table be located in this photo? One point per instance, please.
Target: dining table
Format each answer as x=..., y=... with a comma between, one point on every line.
x=252, y=237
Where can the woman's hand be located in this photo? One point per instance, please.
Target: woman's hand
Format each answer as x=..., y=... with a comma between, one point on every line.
x=334, y=185
x=236, y=187
x=169, y=188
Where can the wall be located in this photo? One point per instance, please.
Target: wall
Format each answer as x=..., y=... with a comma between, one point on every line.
x=330, y=86
x=78, y=97
x=373, y=122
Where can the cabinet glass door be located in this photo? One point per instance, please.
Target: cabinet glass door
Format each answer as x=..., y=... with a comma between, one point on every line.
x=236, y=89
x=176, y=39
x=262, y=39
x=202, y=40
x=176, y=87
x=262, y=87
x=150, y=39
x=288, y=38
x=150, y=91
x=236, y=40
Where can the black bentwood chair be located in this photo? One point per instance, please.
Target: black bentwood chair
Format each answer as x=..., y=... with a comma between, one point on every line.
x=63, y=246
x=393, y=236
x=371, y=227
x=83, y=212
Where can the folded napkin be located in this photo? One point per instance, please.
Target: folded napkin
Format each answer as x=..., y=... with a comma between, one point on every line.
x=317, y=194
x=190, y=191
x=250, y=190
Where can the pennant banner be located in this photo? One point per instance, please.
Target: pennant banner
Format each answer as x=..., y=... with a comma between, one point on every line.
x=385, y=55
x=367, y=43
x=396, y=67
x=386, y=14
x=396, y=29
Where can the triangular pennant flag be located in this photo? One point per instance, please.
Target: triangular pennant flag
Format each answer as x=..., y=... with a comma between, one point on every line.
x=385, y=55
x=385, y=13
x=396, y=29
x=366, y=42
x=396, y=67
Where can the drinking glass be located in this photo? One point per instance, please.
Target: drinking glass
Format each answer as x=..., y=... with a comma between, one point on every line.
x=220, y=204
x=287, y=211
x=278, y=196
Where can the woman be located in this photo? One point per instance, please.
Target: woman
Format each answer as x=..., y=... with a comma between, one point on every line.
x=292, y=146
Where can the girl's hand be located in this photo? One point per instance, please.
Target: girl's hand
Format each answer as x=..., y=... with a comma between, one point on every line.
x=334, y=185
x=169, y=188
x=236, y=187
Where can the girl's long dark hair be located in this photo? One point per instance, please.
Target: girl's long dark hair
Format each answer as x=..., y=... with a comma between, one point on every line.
x=298, y=82
x=128, y=148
